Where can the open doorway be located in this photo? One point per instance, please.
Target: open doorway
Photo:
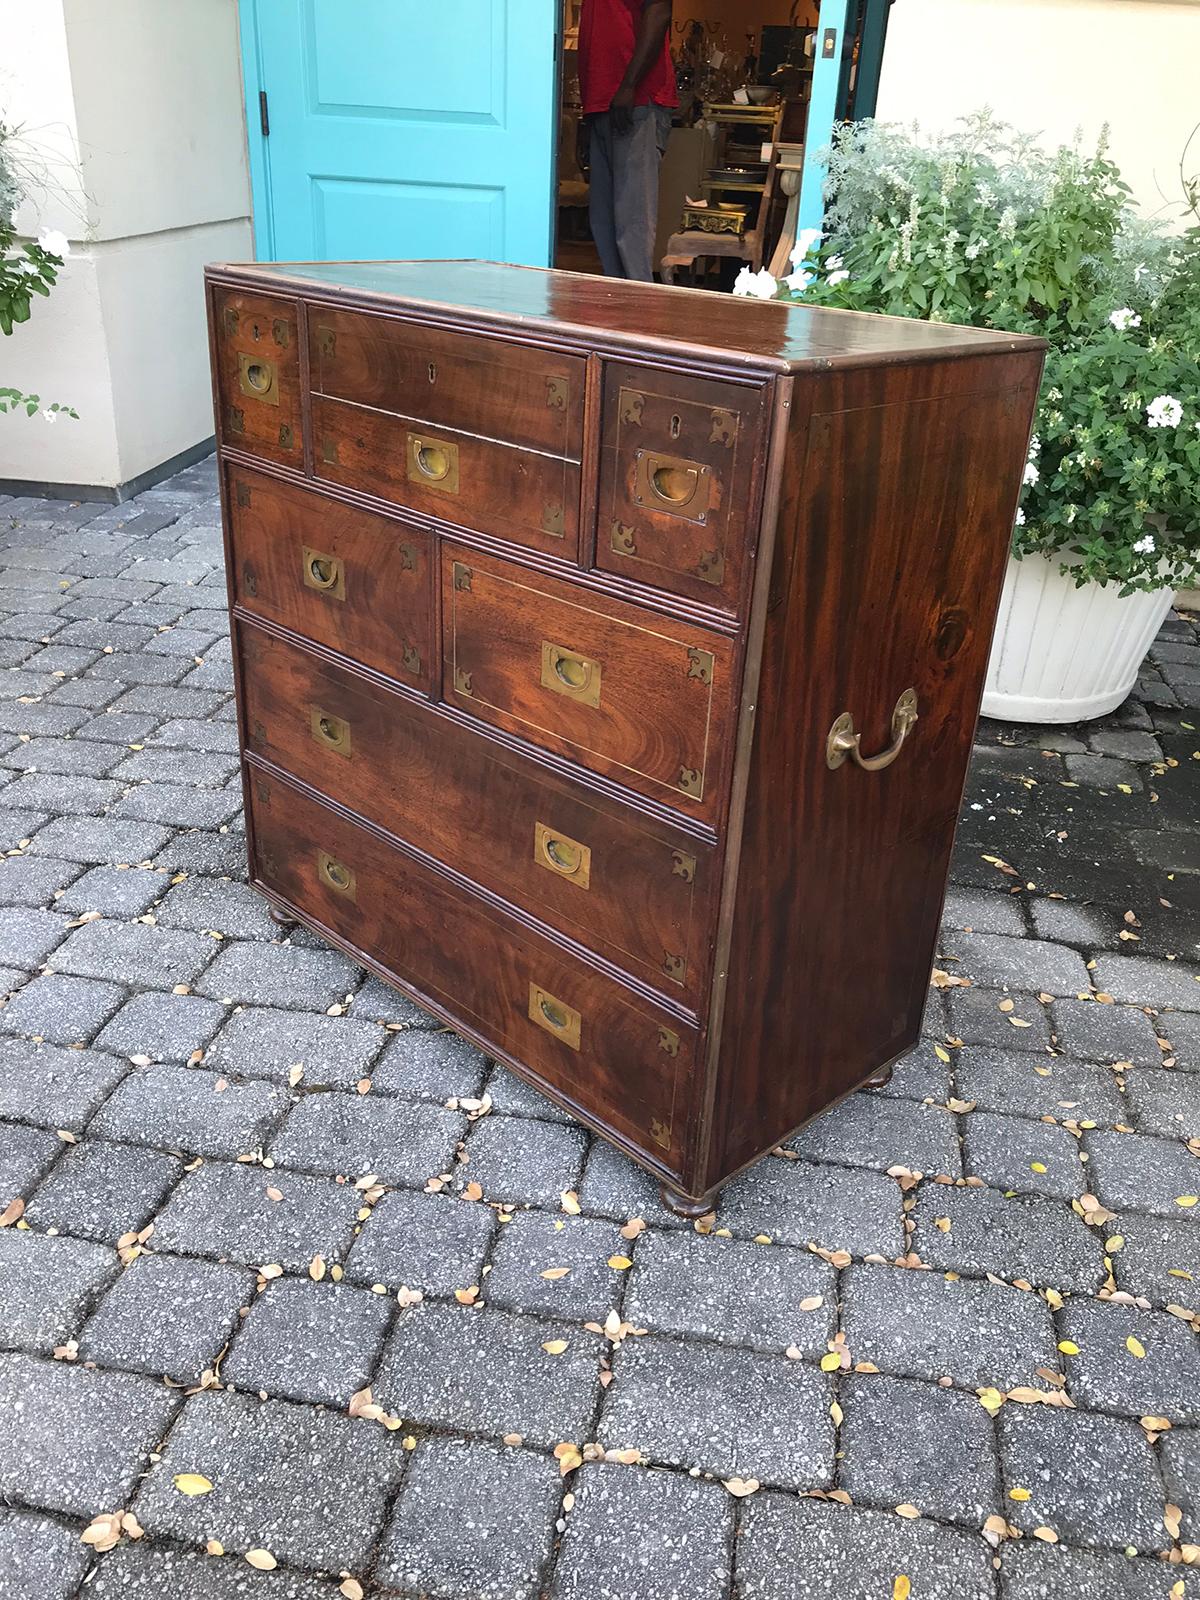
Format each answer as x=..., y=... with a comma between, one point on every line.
x=730, y=178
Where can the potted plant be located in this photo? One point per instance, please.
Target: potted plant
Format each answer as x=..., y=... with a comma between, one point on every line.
x=27, y=267
x=982, y=226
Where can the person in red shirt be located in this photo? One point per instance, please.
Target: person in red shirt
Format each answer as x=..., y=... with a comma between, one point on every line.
x=627, y=81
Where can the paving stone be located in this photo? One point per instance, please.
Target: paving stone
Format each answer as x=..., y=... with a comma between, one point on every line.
x=200, y=767
x=136, y=1572
x=515, y=1158
x=102, y=635
x=535, y=1242
x=975, y=1018
x=335, y=1052
x=432, y=1242
x=1092, y=1479
x=192, y=734
x=50, y=791
x=429, y=1066
x=17, y=828
x=114, y=891
x=1030, y=1571
x=1106, y=1033
x=1166, y=1103
x=1133, y=1172
x=501, y=1504
x=977, y=912
x=126, y=666
x=920, y=1075
x=728, y=1411
x=32, y=881
x=115, y=1421
x=27, y=935
x=924, y=1325
x=907, y=1443
x=486, y=1372
x=61, y=1009
x=134, y=953
x=1155, y=1252
x=1029, y=964
x=1179, y=1459
x=166, y=1315
x=1022, y=1084
x=799, y=1203
x=46, y=720
x=276, y=974
x=379, y=1002
x=803, y=1550
x=100, y=839
x=1107, y=1375
x=225, y=1211
x=122, y=727
x=309, y=1341
x=49, y=1284
x=1017, y=1153
x=675, y=1543
x=513, y=1097
x=25, y=1153
x=1025, y=1236
x=214, y=855
x=233, y=909
x=52, y=1087
x=101, y=1191
x=65, y=756
x=165, y=1027
x=178, y=807
x=869, y=1131
x=730, y=1291
x=1144, y=982
x=1085, y=926
x=614, y=1186
x=40, y=1559
x=310, y=1487
x=187, y=1109
x=1182, y=1030
x=351, y=1135
x=1101, y=772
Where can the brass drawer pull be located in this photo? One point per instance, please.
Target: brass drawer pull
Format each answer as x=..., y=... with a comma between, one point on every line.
x=556, y=1017
x=330, y=732
x=257, y=378
x=567, y=672
x=843, y=740
x=336, y=875
x=433, y=463
x=323, y=573
x=567, y=857
x=672, y=484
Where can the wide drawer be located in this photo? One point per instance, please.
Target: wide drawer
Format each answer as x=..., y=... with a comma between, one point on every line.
x=623, y=1061
x=680, y=470
x=258, y=375
x=350, y=579
x=634, y=890
x=515, y=393
x=645, y=700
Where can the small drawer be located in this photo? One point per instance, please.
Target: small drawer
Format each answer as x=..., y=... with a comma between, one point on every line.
x=258, y=376
x=623, y=1061
x=521, y=495
x=635, y=891
x=679, y=484
x=647, y=701
x=514, y=393
x=354, y=581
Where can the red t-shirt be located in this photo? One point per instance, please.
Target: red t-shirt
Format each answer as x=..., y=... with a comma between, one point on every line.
x=607, y=32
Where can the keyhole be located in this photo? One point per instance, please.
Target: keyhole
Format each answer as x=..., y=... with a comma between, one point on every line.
x=433, y=372
x=676, y=425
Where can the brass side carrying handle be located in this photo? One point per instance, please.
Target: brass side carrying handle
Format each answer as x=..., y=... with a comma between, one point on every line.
x=843, y=739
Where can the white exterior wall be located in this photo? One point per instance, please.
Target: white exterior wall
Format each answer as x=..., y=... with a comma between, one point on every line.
x=136, y=106
x=1052, y=66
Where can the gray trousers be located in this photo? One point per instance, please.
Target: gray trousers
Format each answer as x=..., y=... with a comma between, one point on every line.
x=623, y=189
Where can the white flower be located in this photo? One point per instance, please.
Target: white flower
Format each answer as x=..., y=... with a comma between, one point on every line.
x=1124, y=319
x=1031, y=473
x=833, y=263
x=758, y=285
x=28, y=269
x=839, y=276
x=1020, y=519
x=807, y=241
x=1035, y=445
x=54, y=243
x=1144, y=547
x=1164, y=411
x=50, y=416
x=798, y=281
x=1072, y=513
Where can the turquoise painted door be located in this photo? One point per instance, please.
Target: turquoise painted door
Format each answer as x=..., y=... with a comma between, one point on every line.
x=398, y=129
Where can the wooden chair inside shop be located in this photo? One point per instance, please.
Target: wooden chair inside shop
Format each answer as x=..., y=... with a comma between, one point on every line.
x=686, y=248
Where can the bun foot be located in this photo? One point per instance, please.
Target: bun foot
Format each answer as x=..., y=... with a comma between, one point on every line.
x=882, y=1078
x=281, y=917
x=682, y=1205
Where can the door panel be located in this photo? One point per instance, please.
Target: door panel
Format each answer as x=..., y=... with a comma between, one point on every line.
x=403, y=131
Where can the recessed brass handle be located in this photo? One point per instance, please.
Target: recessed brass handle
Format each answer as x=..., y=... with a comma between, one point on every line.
x=433, y=463
x=562, y=855
x=567, y=672
x=323, y=572
x=555, y=1016
x=843, y=739
x=257, y=378
x=336, y=874
x=672, y=484
x=330, y=732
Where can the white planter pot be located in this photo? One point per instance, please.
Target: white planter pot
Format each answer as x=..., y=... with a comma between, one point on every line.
x=1062, y=654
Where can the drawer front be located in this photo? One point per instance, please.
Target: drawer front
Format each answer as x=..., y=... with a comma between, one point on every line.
x=356, y=582
x=514, y=393
x=620, y=1059
x=634, y=890
x=678, y=484
x=258, y=375
x=644, y=700
x=521, y=495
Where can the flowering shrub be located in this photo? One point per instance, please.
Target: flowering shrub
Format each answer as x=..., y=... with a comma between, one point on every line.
x=27, y=268
x=984, y=227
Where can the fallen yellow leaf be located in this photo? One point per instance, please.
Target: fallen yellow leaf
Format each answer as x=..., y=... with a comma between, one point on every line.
x=831, y=1361
x=1018, y=1494
x=1186, y=1200
x=262, y=1559
x=619, y=1263
x=901, y=1587
x=554, y=1347
x=1135, y=1347
x=1068, y=1347
x=191, y=1483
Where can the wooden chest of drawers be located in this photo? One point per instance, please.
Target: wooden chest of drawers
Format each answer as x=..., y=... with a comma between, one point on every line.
x=561, y=607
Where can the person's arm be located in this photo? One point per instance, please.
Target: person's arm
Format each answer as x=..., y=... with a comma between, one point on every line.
x=655, y=20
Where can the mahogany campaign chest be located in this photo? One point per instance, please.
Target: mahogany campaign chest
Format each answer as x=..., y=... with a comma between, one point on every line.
x=607, y=660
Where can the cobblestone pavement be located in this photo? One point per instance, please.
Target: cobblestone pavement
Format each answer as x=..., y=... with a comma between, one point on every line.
x=223, y=1139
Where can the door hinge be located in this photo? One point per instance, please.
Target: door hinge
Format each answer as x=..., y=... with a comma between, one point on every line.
x=264, y=120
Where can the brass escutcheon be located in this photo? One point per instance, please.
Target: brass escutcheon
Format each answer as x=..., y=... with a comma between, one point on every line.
x=700, y=664
x=336, y=875
x=683, y=865
x=555, y=1016
x=843, y=740
x=562, y=855
x=668, y=1040
x=331, y=733
x=257, y=377
x=567, y=672
x=660, y=1133
x=324, y=573
x=433, y=463
x=673, y=485
x=556, y=394
x=691, y=781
